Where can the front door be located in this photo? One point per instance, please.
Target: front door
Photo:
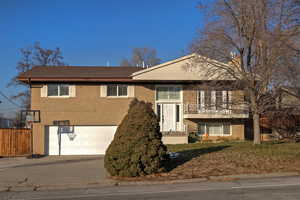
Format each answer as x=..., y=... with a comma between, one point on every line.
x=167, y=114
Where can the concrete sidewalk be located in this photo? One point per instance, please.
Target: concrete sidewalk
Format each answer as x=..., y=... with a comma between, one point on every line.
x=51, y=171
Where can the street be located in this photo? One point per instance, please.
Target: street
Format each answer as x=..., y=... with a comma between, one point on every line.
x=287, y=188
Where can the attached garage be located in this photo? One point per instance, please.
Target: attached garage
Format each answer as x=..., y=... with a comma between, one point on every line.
x=82, y=140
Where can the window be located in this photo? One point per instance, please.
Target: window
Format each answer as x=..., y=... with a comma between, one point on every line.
x=226, y=129
x=112, y=90
x=211, y=100
x=177, y=113
x=117, y=90
x=219, y=100
x=158, y=111
x=168, y=93
x=227, y=100
x=214, y=129
x=201, y=129
x=174, y=93
x=122, y=90
x=58, y=90
x=207, y=99
x=162, y=93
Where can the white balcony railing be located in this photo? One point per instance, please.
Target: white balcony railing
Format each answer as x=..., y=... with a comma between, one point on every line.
x=226, y=110
x=197, y=108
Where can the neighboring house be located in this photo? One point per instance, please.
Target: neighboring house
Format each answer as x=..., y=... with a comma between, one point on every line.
x=6, y=123
x=289, y=98
x=95, y=100
x=287, y=104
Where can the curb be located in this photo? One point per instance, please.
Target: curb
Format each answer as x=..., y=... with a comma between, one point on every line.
x=253, y=176
x=110, y=183
x=194, y=180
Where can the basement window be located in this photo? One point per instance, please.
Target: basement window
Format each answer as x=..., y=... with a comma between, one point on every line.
x=214, y=129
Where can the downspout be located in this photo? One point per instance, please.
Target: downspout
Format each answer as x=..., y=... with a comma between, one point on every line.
x=31, y=125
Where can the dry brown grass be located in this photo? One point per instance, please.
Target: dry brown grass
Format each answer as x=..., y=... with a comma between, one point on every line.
x=202, y=160
x=229, y=158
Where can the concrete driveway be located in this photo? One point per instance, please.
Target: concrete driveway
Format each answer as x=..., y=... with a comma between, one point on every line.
x=52, y=171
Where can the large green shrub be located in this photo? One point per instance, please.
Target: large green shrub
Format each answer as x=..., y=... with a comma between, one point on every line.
x=137, y=148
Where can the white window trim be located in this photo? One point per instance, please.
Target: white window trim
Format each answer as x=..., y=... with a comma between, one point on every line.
x=223, y=135
x=60, y=96
x=127, y=96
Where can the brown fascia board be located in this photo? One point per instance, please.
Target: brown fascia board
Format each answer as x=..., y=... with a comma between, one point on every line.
x=105, y=80
x=73, y=79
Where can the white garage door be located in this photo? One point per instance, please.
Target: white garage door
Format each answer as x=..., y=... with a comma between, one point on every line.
x=86, y=140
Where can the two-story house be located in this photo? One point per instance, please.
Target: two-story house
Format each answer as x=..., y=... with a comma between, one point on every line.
x=95, y=100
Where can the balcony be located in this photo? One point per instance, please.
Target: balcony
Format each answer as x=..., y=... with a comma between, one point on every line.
x=196, y=111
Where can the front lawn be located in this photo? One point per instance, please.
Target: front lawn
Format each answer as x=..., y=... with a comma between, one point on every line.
x=210, y=159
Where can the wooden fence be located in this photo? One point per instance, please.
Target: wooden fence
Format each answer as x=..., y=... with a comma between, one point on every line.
x=15, y=142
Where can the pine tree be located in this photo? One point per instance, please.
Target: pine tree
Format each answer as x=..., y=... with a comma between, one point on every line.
x=137, y=148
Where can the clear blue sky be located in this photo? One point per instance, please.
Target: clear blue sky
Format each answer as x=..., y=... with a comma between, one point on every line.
x=92, y=32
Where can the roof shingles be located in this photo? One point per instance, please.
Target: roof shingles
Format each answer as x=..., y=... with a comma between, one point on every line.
x=74, y=72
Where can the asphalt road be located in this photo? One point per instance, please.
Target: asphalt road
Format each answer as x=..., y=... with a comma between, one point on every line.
x=287, y=188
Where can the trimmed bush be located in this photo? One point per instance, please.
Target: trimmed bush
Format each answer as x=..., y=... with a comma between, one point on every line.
x=136, y=149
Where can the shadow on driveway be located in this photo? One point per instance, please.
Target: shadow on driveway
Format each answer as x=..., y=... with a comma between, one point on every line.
x=60, y=160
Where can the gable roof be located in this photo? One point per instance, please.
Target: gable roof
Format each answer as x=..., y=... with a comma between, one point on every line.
x=42, y=73
x=164, y=64
x=182, y=69
x=192, y=67
x=291, y=91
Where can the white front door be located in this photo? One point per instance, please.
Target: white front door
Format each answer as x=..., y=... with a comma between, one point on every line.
x=167, y=114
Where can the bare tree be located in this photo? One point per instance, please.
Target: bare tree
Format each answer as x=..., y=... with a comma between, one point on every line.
x=125, y=62
x=254, y=40
x=34, y=56
x=142, y=57
x=291, y=73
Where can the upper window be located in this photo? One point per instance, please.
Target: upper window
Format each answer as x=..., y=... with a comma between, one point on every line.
x=168, y=93
x=218, y=99
x=207, y=98
x=58, y=90
x=117, y=90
